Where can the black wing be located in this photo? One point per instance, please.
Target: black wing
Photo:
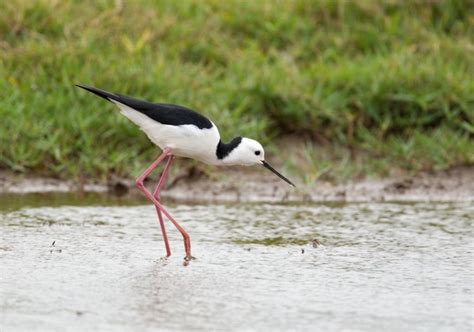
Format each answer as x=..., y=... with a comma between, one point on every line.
x=168, y=114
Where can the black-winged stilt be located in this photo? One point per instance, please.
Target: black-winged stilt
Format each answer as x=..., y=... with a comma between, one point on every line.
x=182, y=132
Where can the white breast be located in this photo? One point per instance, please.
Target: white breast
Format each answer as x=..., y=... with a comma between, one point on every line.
x=184, y=140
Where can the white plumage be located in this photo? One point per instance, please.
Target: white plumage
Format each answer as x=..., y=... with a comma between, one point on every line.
x=185, y=140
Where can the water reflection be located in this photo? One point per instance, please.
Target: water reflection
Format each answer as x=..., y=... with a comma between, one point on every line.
x=380, y=266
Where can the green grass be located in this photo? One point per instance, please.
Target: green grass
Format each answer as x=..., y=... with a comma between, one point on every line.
x=368, y=85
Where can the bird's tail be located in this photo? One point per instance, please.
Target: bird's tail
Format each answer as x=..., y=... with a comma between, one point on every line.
x=101, y=93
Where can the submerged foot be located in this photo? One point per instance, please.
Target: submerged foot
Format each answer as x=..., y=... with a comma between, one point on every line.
x=187, y=259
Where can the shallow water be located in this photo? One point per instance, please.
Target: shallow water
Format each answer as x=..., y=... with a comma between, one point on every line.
x=380, y=266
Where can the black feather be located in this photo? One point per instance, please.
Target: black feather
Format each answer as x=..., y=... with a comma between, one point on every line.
x=223, y=149
x=168, y=114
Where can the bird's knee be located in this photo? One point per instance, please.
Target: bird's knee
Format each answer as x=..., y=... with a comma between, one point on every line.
x=139, y=184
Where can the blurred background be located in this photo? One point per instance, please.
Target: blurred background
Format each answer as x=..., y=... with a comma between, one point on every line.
x=336, y=90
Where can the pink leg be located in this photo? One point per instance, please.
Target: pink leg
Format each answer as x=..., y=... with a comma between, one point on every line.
x=156, y=194
x=141, y=186
x=166, y=154
x=162, y=180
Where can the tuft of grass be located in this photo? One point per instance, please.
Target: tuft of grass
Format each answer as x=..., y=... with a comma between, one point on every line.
x=391, y=79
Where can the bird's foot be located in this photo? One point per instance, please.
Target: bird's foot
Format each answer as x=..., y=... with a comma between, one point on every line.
x=187, y=259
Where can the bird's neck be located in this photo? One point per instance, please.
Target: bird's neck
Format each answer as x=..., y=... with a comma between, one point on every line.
x=223, y=150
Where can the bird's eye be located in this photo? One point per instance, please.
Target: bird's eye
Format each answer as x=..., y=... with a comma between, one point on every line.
x=257, y=153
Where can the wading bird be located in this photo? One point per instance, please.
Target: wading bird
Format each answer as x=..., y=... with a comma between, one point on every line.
x=182, y=132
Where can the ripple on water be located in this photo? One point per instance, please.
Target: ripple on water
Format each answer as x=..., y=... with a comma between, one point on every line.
x=380, y=266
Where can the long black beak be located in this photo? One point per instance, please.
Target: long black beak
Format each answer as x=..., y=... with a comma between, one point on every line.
x=267, y=166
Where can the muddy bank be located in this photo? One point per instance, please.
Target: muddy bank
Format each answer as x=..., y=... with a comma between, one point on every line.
x=243, y=185
x=454, y=185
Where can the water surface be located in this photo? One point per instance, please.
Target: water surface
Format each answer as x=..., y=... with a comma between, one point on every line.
x=380, y=266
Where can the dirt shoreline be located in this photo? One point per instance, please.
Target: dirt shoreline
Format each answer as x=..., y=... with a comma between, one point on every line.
x=240, y=185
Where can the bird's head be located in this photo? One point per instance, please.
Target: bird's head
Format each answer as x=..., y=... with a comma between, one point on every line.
x=249, y=152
